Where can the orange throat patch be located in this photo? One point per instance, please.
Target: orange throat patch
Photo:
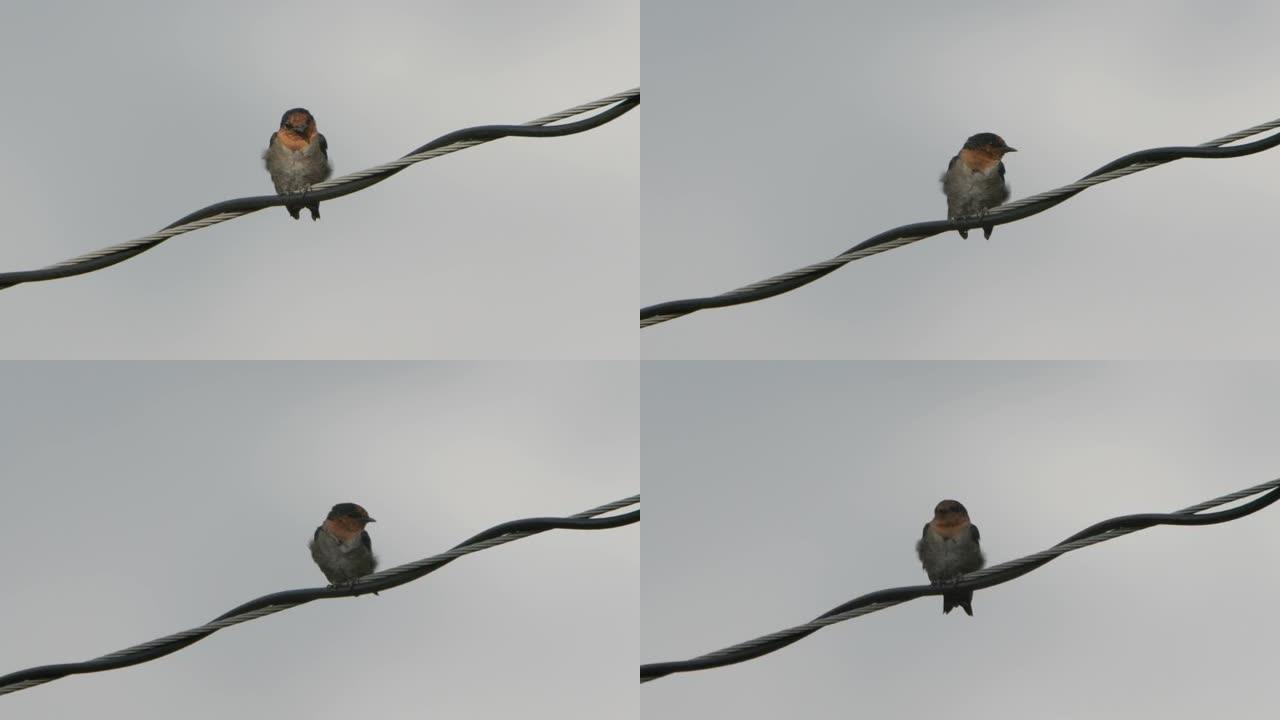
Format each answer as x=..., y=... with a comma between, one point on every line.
x=341, y=530
x=291, y=140
x=950, y=529
x=979, y=160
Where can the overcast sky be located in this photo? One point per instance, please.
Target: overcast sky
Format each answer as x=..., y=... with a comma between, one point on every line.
x=123, y=117
x=781, y=134
x=776, y=491
x=143, y=499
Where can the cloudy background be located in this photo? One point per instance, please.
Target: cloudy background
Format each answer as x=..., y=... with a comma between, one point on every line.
x=775, y=491
x=121, y=118
x=780, y=134
x=143, y=499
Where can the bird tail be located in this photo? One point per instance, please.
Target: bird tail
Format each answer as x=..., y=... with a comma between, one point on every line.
x=295, y=211
x=963, y=600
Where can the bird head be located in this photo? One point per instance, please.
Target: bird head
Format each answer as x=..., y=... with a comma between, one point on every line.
x=350, y=516
x=299, y=121
x=989, y=143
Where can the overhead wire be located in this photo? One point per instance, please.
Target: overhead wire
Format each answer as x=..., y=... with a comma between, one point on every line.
x=618, y=104
x=989, y=577
x=276, y=602
x=1007, y=213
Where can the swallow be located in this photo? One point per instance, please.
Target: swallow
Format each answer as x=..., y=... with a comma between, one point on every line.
x=974, y=180
x=341, y=546
x=948, y=548
x=297, y=157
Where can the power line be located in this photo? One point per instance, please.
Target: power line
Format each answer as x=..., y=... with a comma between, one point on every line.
x=995, y=575
x=275, y=602
x=1017, y=210
x=226, y=210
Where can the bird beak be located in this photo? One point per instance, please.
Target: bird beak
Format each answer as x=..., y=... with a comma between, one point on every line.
x=1009, y=149
x=369, y=520
x=300, y=129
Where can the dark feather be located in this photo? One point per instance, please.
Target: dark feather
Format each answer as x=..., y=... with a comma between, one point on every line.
x=963, y=600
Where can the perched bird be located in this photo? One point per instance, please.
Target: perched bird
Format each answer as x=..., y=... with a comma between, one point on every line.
x=341, y=547
x=974, y=180
x=948, y=548
x=297, y=158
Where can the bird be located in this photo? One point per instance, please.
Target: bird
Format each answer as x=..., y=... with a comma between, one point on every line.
x=341, y=546
x=297, y=156
x=974, y=180
x=948, y=548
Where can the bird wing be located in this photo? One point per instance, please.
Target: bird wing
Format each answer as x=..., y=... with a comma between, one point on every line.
x=270, y=145
x=1000, y=168
x=943, y=177
x=366, y=540
x=973, y=532
x=324, y=148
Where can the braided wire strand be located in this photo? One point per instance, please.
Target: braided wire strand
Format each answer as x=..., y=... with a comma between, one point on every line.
x=859, y=252
x=411, y=569
x=796, y=632
x=407, y=160
x=147, y=241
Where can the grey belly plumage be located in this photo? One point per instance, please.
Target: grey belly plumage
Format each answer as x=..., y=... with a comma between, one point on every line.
x=969, y=193
x=944, y=558
x=339, y=563
x=293, y=171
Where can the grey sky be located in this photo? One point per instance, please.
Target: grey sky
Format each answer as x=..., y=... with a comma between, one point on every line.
x=780, y=134
x=776, y=491
x=121, y=118
x=147, y=497
x=143, y=499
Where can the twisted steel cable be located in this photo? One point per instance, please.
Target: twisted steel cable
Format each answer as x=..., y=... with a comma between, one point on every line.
x=621, y=103
x=1007, y=213
x=275, y=602
x=994, y=575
